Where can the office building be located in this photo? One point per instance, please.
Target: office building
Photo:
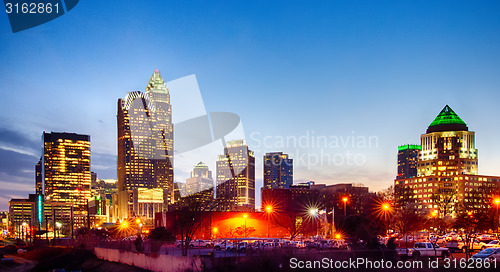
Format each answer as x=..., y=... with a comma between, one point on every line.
x=278, y=170
x=27, y=216
x=280, y=199
x=145, y=140
x=200, y=185
x=447, y=178
x=236, y=178
x=65, y=171
x=407, y=160
x=38, y=178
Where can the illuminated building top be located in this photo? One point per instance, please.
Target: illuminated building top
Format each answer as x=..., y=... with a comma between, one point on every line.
x=447, y=120
x=409, y=146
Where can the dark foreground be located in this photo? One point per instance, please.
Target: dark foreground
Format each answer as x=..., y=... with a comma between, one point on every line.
x=50, y=259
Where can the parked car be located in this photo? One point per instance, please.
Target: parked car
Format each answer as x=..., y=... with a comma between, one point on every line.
x=438, y=239
x=129, y=239
x=222, y=245
x=298, y=244
x=200, y=243
x=494, y=243
x=474, y=245
x=486, y=237
x=242, y=247
x=424, y=249
x=488, y=254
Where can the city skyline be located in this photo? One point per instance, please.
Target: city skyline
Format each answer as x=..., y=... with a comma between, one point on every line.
x=386, y=75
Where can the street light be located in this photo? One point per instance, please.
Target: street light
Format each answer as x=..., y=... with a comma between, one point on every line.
x=386, y=210
x=24, y=227
x=497, y=202
x=215, y=232
x=344, y=199
x=269, y=210
x=313, y=212
x=58, y=226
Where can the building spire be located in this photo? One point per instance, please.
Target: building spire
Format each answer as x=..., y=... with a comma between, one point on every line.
x=156, y=81
x=447, y=120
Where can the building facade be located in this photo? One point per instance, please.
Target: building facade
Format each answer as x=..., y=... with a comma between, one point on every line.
x=278, y=170
x=65, y=171
x=33, y=214
x=236, y=178
x=447, y=178
x=407, y=160
x=145, y=141
x=200, y=185
x=280, y=199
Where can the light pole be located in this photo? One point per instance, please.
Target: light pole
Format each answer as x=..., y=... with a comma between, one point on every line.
x=313, y=212
x=344, y=199
x=269, y=210
x=245, y=217
x=386, y=211
x=24, y=235
x=58, y=227
x=497, y=201
x=435, y=215
x=139, y=226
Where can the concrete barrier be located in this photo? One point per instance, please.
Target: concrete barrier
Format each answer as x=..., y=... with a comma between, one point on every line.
x=161, y=263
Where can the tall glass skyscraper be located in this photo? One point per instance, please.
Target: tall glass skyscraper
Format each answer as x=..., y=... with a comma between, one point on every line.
x=145, y=139
x=236, y=178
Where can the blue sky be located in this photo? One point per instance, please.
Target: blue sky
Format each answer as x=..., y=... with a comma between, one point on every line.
x=287, y=68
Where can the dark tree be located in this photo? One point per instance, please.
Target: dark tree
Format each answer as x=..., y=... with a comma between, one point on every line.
x=189, y=213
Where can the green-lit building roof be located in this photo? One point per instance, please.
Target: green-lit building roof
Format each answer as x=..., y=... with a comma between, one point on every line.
x=409, y=146
x=447, y=120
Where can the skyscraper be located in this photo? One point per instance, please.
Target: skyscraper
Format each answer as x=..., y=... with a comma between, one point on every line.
x=38, y=178
x=65, y=170
x=407, y=160
x=163, y=133
x=278, y=170
x=200, y=185
x=145, y=139
x=447, y=178
x=448, y=147
x=236, y=178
